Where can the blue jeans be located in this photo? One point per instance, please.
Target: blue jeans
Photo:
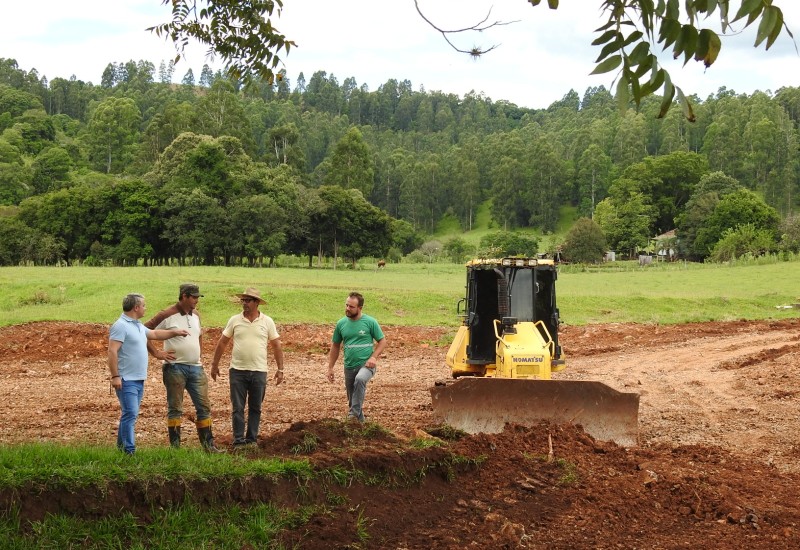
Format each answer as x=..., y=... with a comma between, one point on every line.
x=193, y=379
x=355, y=382
x=130, y=398
x=247, y=387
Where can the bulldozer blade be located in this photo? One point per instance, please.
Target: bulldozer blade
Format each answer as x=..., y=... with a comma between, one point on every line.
x=486, y=405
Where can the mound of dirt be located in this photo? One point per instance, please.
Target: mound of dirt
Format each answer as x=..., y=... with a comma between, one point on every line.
x=716, y=465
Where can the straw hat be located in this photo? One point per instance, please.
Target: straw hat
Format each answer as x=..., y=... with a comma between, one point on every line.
x=252, y=292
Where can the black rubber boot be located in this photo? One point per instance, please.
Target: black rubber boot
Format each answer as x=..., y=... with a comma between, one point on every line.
x=174, y=436
x=207, y=440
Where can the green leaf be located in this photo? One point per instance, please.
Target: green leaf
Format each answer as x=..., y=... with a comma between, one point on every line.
x=608, y=49
x=657, y=79
x=669, y=94
x=605, y=37
x=669, y=32
x=640, y=53
x=644, y=67
x=747, y=8
x=608, y=65
x=634, y=36
x=688, y=110
x=673, y=9
x=623, y=95
x=553, y=4
x=776, y=30
x=769, y=20
x=708, y=47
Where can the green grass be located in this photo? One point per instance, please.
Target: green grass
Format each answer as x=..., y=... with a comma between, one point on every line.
x=406, y=294
x=80, y=466
x=187, y=526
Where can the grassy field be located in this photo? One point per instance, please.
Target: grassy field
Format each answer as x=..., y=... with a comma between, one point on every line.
x=405, y=294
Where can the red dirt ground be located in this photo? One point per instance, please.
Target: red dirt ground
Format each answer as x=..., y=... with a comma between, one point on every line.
x=716, y=466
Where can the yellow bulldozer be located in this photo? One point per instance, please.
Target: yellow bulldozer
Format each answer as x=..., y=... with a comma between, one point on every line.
x=504, y=352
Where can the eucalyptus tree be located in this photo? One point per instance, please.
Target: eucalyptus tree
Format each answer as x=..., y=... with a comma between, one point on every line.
x=630, y=140
x=283, y=142
x=389, y=166
x=166, y=71
x=546, y=189
x=722, y=143
x=174, y=118
x=220, y=113
x=71, y=97
x=351, y=164
x=463, y=184
x=319, y=132
x=789, y=98
x=423, y=118
x=593, y=173
x=112, y=134
x=770, y=160
x=510, y=177
x=188, y=78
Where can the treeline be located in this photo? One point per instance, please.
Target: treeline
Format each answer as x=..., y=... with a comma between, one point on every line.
x=139, y=168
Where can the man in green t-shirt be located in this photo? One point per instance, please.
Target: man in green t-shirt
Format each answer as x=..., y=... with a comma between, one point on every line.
x=363, y=342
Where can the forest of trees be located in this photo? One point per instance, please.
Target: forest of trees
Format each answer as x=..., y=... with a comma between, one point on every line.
x=139, y=169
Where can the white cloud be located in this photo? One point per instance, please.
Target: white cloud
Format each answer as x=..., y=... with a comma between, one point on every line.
x=539, y=58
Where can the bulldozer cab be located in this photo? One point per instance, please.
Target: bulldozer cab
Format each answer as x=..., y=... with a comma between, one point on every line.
x=509, y=290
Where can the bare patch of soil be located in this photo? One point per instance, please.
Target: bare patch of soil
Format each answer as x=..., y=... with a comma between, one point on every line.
x=716, y=466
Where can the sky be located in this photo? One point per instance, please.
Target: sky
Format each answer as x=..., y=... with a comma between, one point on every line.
x=540, y=56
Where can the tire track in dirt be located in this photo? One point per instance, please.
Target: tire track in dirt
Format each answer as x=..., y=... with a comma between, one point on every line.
x=691, y=395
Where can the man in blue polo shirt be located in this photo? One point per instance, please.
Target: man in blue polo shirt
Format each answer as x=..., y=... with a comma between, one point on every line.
x=127, y=363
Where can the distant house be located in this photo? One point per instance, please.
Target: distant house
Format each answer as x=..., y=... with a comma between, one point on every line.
x=666, y=246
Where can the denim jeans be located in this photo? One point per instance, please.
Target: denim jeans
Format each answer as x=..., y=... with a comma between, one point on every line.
x=247, y=387
x=355, y=382
x=130, y=398
x=193, y=379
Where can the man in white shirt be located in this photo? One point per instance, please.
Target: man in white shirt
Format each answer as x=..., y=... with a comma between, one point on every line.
x=183, y=368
